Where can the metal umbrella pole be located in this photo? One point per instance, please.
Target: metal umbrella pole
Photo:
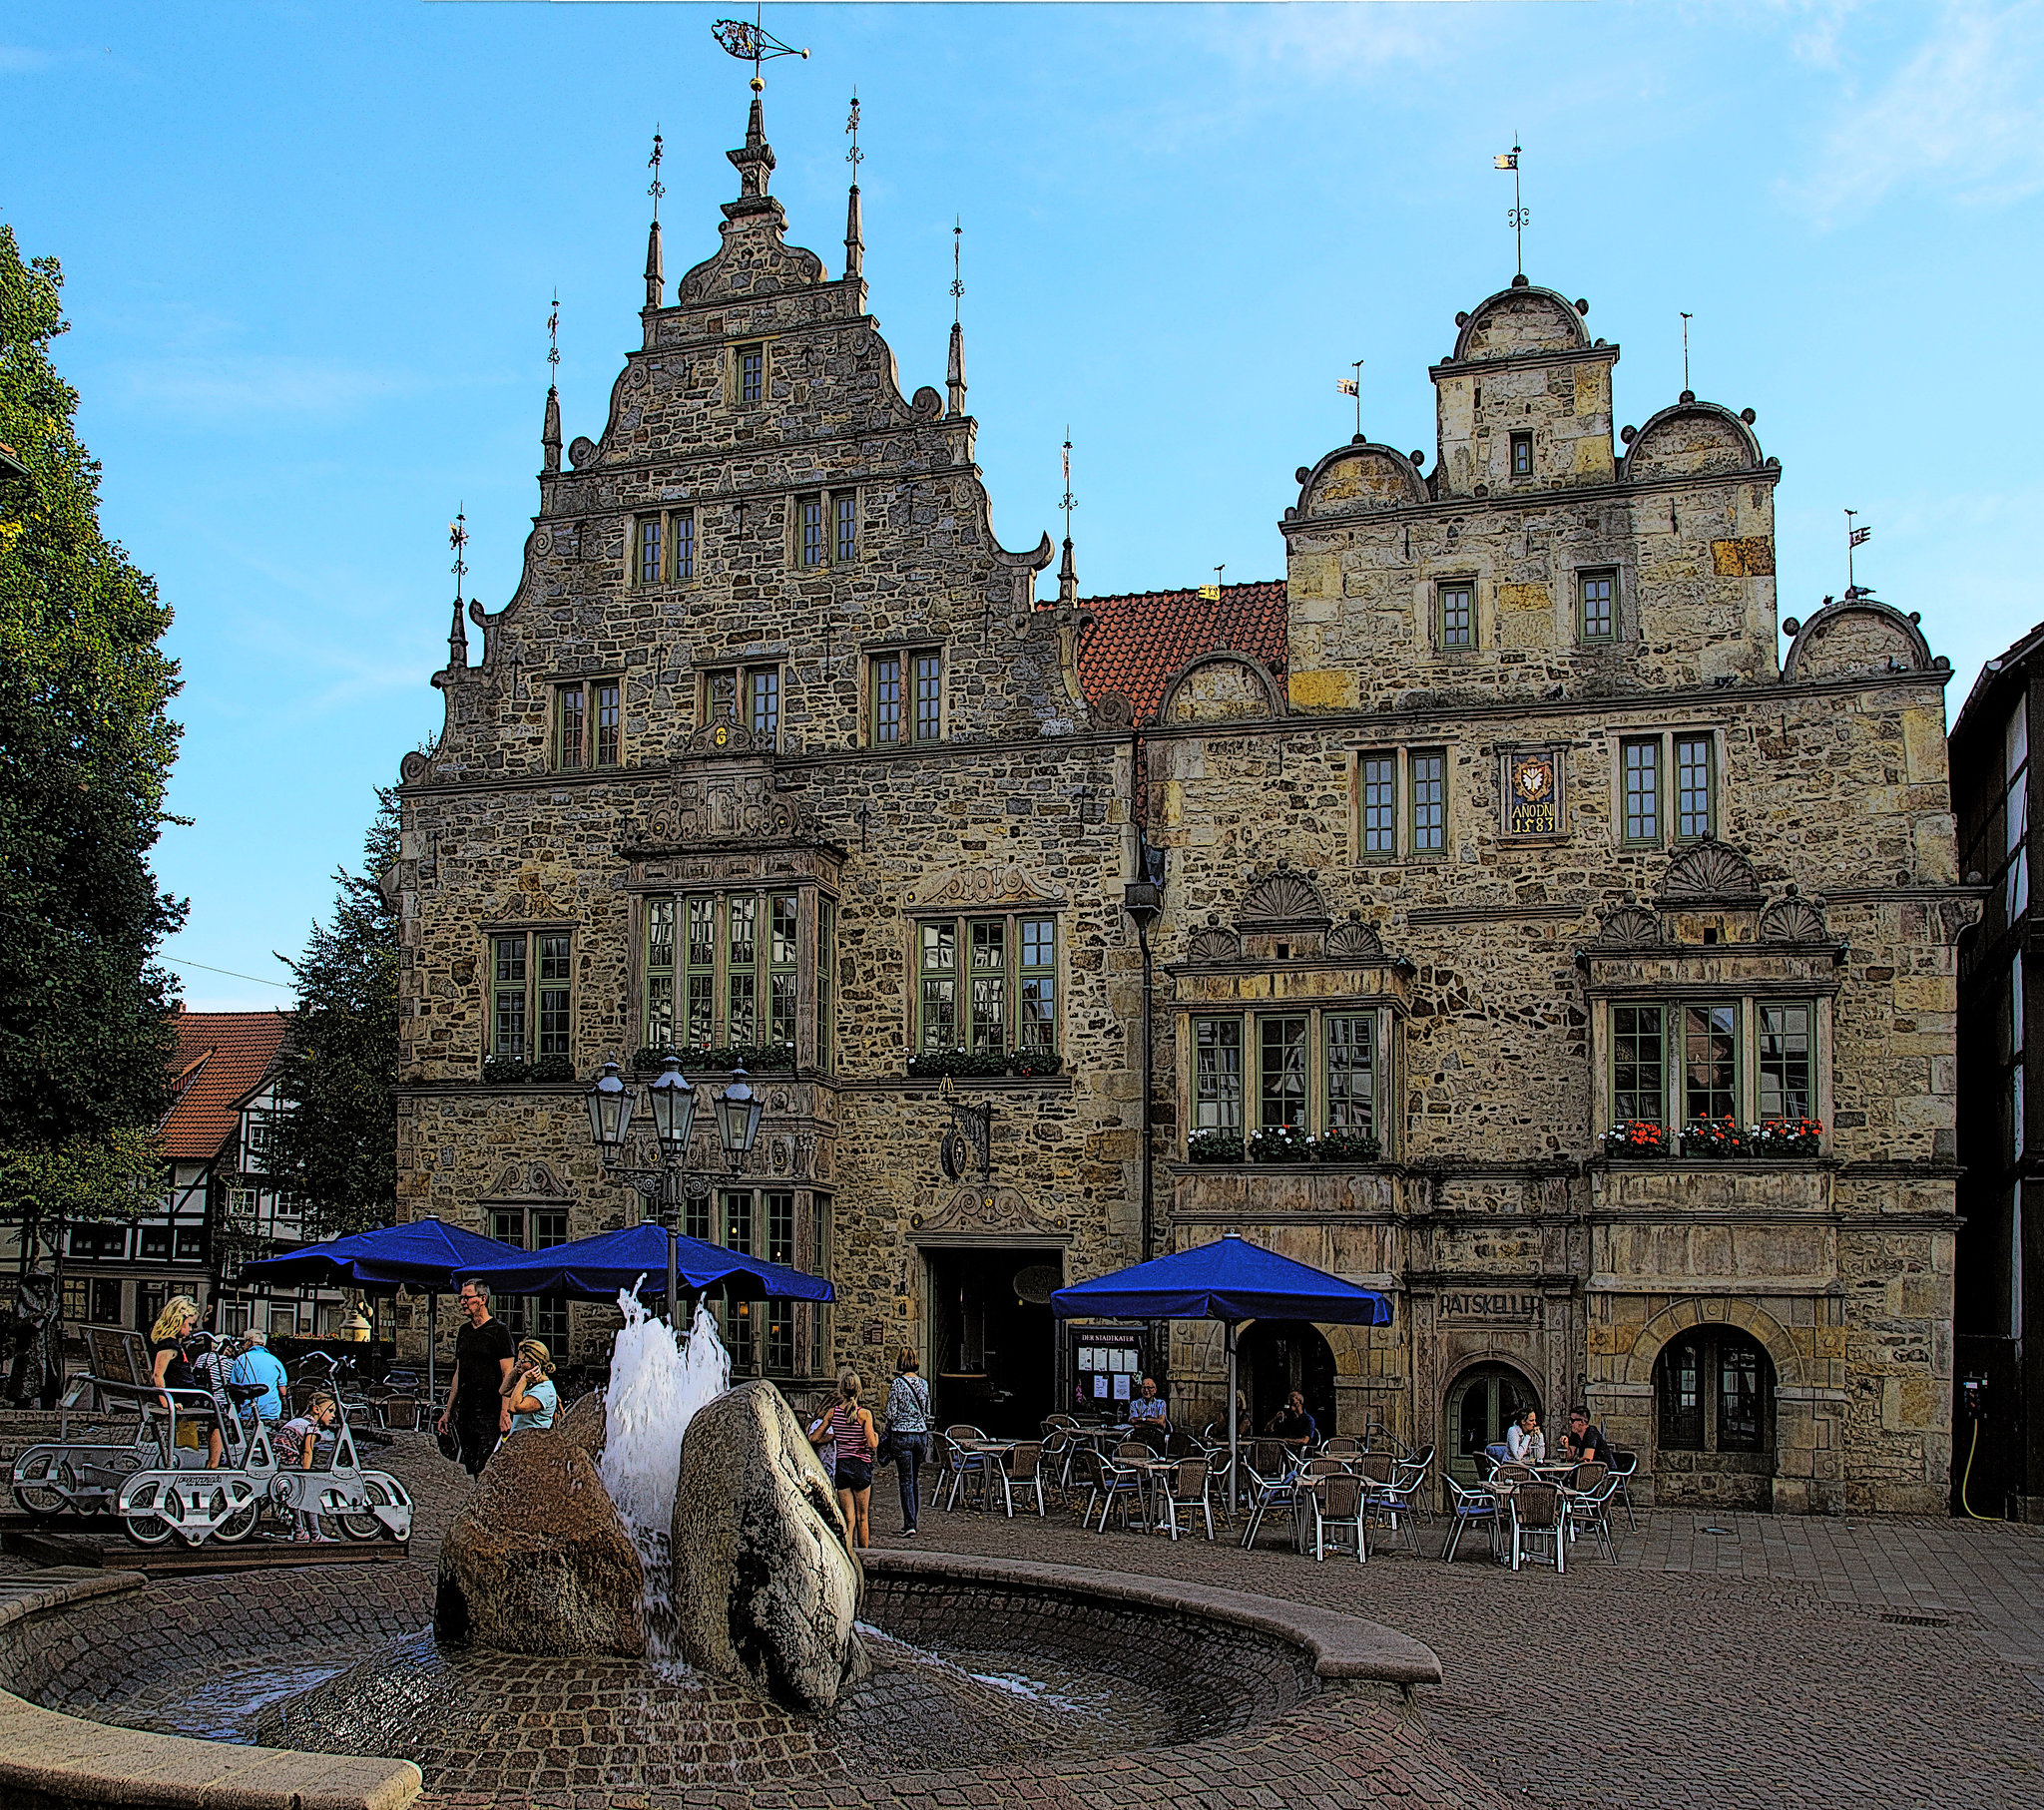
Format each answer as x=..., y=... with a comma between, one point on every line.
x=432, y=1342
x=1234, y=1455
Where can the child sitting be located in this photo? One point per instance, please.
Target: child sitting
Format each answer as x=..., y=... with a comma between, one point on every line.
x=297, y=1440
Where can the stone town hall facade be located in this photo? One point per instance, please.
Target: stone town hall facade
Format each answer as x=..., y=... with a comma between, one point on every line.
x=1501, y=822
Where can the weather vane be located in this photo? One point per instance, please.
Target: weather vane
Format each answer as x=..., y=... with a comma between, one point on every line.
x=1353, y=386
x=554, y=339
x=457, y=538
x=752, y=43
x=854, y=157
x=1519, y=215
x=1854, y=536
x=1068, y=502
x=1685, y=320
x=656, y=188
x=957, y=280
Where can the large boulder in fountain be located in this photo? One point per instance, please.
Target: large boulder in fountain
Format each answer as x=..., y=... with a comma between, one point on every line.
x=586, y=1424
x=538, y=1561
x=766, y=1586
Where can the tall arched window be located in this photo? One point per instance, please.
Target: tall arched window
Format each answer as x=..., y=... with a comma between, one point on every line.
x=1715, y=1387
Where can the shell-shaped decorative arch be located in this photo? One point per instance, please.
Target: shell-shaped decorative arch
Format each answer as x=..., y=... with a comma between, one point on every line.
x=1219, y=685
x=1628, y=927
x=1354, y=941
x=1358, y=478
x=1287, y=899
x=1795, y=920
x=1690, y=440
x=1859, y=634
x=1520, y=321
x=1710, y=872
x=1213, y=942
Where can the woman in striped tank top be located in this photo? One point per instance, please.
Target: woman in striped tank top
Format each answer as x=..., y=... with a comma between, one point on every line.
x=849, y=1430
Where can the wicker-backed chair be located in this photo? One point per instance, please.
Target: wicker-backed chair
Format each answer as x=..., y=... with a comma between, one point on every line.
x=1466, y=1508
x=1625, y=1466
x=1539, y=1520
x=1271, y=1491
x=1117, y=1488
x=1339, y=1505
x=1020, y=1468
x=1342, y=1446
x=1187, y=1487
x=1587, y=1504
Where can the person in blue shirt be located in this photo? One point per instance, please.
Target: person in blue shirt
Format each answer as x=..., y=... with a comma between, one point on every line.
x=258, y=1364
x=530, y=1387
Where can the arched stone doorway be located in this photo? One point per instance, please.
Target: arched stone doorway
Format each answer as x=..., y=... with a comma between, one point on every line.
x=1714, y=1395
x=1276, y=1357
x=1481, y=1403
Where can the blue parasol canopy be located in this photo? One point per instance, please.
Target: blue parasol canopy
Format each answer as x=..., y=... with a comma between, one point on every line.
x=594, y=1269
x=425, y=1253
x=1230, y=1279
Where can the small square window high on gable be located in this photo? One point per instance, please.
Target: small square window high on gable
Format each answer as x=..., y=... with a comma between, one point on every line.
x=1522, y=455
x=1455, y=614
x=752, y=373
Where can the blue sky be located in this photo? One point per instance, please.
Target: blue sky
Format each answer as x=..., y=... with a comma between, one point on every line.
x=309, y=249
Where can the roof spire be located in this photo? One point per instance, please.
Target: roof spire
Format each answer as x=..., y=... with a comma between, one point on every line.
x=457, y=636
x=954, y=370
x=1068, y=574
x=656, y=273
x=854, y=240
x=550, y=431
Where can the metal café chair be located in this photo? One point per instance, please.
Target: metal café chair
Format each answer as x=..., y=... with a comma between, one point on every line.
x=1625, y=1466
x=967, y=1466
x=1388, y=1492
x=1539, y=1520
x=1411, y=1478
x=1117, y=1488
x=1187, y=1487
x=1470, y=1507
x=1586, y=1501
x=1342, y=1446
x=1339, y=1504
x=1270, y=1472
x=1059, y=1450
x=1019, y=1469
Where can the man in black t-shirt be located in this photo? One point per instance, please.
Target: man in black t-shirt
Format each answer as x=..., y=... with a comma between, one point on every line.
x=1293, y=1424
x=477, y=1408
x=1586, y=1442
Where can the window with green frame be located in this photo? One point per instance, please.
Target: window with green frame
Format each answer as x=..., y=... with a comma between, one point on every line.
x=1696, y=803
x=1455, y=614
x=1640, y=759
x=1304, y=1069
x=1596, y=606
x=531, y=1001
x=826, y=985
x=907, y=696
x=1426, y=779
x=1380, y=780
x=1005, y=997
x=722, y=971
x=1680, y=1061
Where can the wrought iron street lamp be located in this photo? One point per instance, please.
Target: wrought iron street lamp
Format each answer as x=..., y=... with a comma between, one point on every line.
x=670, y=1103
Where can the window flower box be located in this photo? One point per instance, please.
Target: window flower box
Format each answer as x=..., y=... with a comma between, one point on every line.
x=1343, y=1143
x=965, y=1064
x=1032, y=1063
x=553, y=1067
x=1280, y=1143
x=504, y=1072
x=1717, y=1138
x=1787, y=1138
x=754, y=1059
x=1636, y=1138
x=1214, y=1146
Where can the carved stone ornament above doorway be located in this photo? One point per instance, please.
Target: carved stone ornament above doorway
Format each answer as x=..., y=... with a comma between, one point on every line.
x=990, y=1212
x=970, y=884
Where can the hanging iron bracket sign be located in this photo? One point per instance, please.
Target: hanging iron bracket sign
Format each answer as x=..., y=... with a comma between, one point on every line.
x=970, y=1139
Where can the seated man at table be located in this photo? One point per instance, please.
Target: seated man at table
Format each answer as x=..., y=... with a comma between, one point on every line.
x=1149, y=1417
x=1293, y=1424
x=1585, y=1442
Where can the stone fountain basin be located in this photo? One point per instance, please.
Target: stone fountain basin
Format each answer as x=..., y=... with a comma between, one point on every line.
x=1175, y=1665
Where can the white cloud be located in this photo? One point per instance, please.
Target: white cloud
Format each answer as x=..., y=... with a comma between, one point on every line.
x=254, y=384
x=1963, y=114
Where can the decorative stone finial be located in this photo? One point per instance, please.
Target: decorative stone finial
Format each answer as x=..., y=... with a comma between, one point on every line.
x=656, y=273
x=954, y=374
x=754, y=164
x=1068, y=578
x=550, y=433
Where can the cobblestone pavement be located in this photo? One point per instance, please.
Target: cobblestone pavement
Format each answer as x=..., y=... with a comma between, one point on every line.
x=1728, y=1661
x=1748, y=1668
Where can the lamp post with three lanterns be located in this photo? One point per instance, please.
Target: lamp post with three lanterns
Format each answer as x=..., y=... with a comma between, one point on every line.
x=670, y=1103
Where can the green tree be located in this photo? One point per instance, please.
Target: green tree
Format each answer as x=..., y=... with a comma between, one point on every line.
x=86, y=746
x=337, y=1149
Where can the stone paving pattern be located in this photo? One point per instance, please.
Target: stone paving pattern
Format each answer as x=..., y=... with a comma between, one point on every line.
x=1725, y=1668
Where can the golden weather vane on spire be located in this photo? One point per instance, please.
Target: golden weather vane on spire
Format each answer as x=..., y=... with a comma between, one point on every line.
x=457, y=539
x=854, y=157
x=957, y=277
x=656, y=188
x=1517, y=219
x=554, y=337
x=751, y=42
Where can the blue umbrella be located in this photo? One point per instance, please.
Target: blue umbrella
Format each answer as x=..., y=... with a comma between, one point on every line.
x=427, y=1254
x=1231, y=1280
x=594, y=1269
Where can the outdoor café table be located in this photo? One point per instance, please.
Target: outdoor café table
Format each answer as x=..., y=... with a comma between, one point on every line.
x=1152, y=1471
x=997, y=1451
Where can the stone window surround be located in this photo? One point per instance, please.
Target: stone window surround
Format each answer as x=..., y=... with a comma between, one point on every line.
x=531, y=930
x=588, y=682
x=1667, y=734
x=906, y=650
x=734, y=364
x=667, y=518
x=828, y=498
x=1438, y=585
x=1012, y=915
x=709, y=1219
x=743, y=672
x=1748, y=994
x=765, y=889
x=1583, y=574
x=1403, y=850
x=1386, y=1047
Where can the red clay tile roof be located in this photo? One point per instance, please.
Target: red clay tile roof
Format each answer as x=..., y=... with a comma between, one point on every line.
x=1138, y=642
x=221, y=1058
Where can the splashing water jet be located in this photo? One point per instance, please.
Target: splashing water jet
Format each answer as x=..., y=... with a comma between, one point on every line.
x=657, y=1385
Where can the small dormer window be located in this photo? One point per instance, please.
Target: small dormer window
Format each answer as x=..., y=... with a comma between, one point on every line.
x=751, y=372
x=1522, y=455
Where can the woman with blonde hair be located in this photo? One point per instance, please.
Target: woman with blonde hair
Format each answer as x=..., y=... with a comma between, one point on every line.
x=170, y=1369
x=530, y=1387
x=849, y=1430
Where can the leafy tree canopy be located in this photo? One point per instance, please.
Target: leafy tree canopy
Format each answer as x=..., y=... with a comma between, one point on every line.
x=86, y=745
x=337, y=1150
